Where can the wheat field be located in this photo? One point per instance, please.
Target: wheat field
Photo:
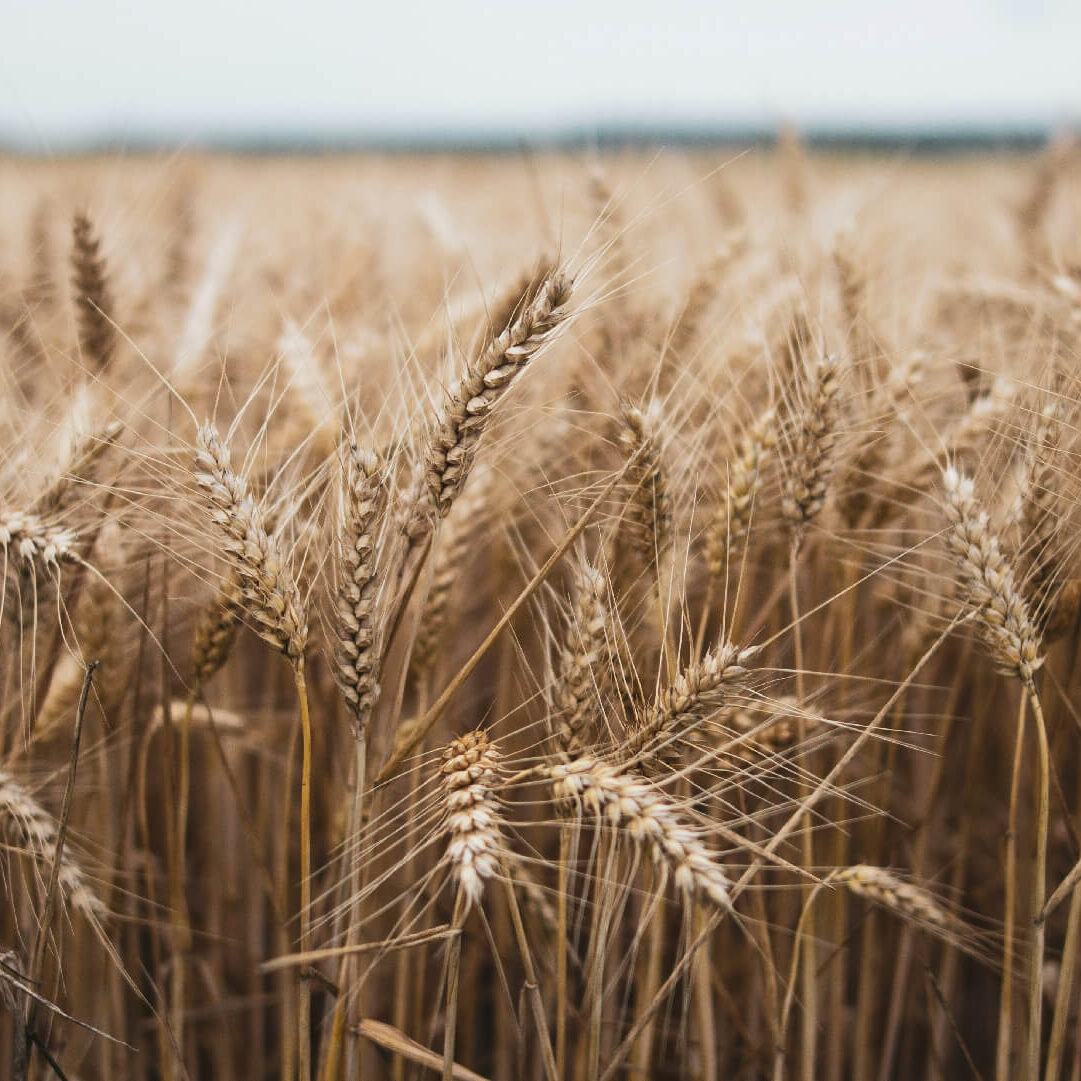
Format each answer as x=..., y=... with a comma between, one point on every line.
x=560, y=617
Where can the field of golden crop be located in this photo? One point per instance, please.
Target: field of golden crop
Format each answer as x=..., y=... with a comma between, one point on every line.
x=557, y=617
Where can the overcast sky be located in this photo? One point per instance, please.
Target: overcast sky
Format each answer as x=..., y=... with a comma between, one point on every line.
x=79, y=69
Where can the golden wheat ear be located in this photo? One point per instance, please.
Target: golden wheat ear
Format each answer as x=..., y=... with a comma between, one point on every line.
x=635, y=805
x=357, y=640
x=270, y=595
x=1007, y=627
x=471, y=400
x=93, y=298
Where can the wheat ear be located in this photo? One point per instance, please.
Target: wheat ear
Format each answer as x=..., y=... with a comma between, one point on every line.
x=649, y=508
x=1007, y=628
x=215, y=632
x=467, y=409
x=470, y=774
x=583, y=663
x=635, y=805
x=270, y=595
x=878, y=884
x=696, y=692
x=1051, y=599
x=93, y=299
x=1013, y=641
x=273, y=601
x=356, y=638
x=29, y=826
x=731, y=524
x=809, y=455
x=32, y=541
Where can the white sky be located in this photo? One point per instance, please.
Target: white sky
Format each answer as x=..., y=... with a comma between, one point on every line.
x=73, y=69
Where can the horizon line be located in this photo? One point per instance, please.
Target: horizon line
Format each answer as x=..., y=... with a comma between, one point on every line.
x=915, y=137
